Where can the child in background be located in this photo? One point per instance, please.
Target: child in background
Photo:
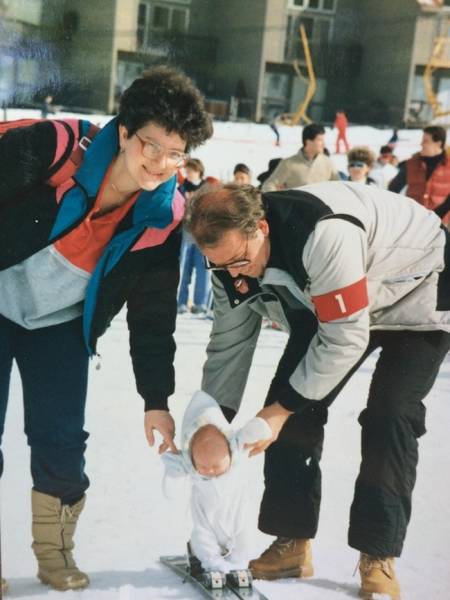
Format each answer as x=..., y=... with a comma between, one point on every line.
x=215, y=459
x=242, y=174
x=341, y=123
x=195, y=171
x=191, y=258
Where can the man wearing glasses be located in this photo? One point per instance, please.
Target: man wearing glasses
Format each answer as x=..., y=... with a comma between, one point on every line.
x=344, y=269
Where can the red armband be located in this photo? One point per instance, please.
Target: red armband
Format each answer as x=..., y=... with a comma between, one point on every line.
x=342, y=302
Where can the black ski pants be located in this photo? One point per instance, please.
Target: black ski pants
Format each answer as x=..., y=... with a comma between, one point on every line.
x=394, y=418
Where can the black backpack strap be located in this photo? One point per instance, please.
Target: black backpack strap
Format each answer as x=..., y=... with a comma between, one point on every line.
x=345, y=217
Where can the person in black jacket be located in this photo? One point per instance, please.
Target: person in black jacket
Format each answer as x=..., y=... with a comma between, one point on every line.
x=89, y=222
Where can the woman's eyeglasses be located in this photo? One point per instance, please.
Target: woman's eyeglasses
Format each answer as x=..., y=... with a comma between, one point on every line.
x=153, y=150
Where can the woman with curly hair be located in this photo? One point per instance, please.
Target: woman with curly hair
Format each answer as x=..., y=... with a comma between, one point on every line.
x=89, y=223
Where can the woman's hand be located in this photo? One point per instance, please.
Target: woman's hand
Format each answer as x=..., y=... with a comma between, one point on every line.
x=161, y=421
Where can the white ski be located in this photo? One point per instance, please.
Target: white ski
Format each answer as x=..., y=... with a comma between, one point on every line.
x=180, y=566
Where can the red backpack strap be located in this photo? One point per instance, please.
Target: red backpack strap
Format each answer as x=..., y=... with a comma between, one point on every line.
x=71, y=144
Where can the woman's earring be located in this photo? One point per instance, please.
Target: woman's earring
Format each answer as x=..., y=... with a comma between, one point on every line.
x=122, y=150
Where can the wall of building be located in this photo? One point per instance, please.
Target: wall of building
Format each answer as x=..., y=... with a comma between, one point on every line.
x=272, y=48
x=239, y=29
x=125, y=25
x=84, y=32
x=275, y=32
x=386, y=31
x=26, y=57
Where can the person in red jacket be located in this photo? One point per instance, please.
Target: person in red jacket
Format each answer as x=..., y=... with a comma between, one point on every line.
x=426, y=175
x=341, y=123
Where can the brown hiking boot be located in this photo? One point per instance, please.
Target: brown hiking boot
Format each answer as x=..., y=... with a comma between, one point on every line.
x=378, y=577
x=285, y=557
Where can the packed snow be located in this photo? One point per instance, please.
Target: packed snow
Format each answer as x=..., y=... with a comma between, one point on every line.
x=128, y=523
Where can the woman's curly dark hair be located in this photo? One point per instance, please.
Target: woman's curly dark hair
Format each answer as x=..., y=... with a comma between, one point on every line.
x=170, y=99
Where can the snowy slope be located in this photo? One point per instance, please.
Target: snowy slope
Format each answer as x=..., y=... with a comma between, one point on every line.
x=128, y=523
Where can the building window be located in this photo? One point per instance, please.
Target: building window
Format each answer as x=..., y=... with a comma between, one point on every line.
x=276, y=93
x=142, y=23
x=318, y=29
x=27, y=12
x=161, y=17
x=179, y=20
x=320, y=5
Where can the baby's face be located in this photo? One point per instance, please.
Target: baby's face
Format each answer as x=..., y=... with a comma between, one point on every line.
x=210, y=452
x=213, y=468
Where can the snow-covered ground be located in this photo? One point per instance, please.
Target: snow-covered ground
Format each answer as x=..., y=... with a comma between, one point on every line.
x=128, y=524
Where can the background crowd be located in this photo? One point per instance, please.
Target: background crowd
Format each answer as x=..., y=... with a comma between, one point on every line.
x=425, y=177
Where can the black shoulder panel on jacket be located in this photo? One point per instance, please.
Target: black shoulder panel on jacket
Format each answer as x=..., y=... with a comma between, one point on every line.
x=292, y=216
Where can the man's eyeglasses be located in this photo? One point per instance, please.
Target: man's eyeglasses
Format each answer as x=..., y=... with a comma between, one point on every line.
x=235, y=264
x=153, y=150
x=357, y=164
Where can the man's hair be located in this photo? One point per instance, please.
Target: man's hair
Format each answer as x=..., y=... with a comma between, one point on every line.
x=241, y=168
x=215, y=210
x=170, y=99
x=311, y=131
x=361, y=154
x=196, y=165
x=438, y=134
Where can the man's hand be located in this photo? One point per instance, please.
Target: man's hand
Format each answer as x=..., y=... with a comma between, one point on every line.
x=161, y=421
x=276, y=416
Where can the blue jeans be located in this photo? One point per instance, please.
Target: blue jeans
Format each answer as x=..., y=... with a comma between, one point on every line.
x=192, y=258
x=53, y=366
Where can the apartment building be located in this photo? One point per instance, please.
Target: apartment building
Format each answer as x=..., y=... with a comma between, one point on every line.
x=23, y=51
x=368, y=57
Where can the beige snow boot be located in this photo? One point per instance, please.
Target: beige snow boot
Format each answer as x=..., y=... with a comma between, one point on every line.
x=53, y=529
x=285, y=557
x=378, y=578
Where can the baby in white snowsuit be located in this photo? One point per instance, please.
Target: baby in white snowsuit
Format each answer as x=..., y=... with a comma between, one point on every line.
x=214, y=458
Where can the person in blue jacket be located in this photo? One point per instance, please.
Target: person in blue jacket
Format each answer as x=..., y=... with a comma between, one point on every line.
x=89, y=223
